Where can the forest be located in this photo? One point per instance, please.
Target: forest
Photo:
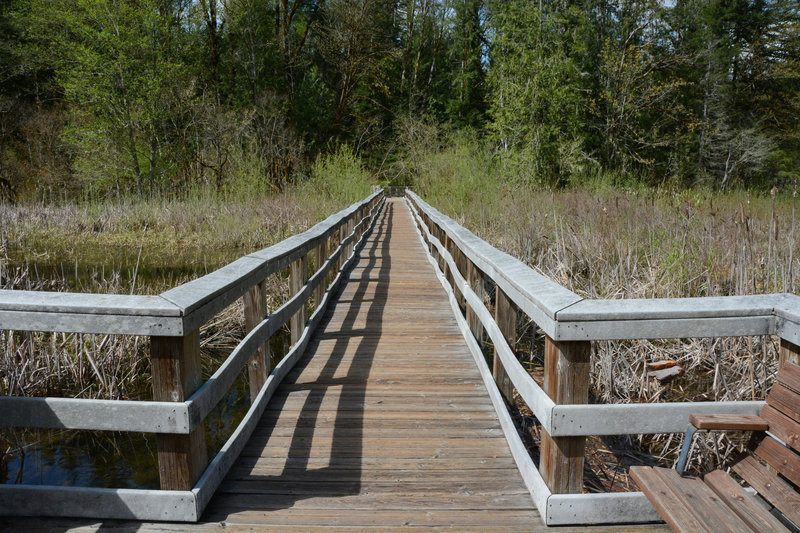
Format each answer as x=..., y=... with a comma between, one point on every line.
x=151, y=98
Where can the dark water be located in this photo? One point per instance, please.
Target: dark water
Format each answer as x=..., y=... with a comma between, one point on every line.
x=104, y=458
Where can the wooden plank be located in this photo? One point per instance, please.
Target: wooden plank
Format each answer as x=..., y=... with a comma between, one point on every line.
x=669, y=328
x=121, y=324
x=742, y=503
x=782, y=426
x=175, y=364
x=636, y=418
x=566, y=381
x=789, y=372
x=297, y=279
x=105, y=415
x=772, y=488
x=475, y=280
x=397, y=500
x=56, y=303
x=671, y=506
x=505, y=315
x=601, y=508
x=254, y=312
x=785, y=401
x=789, y=353
x=781, y=458
x=320, y=256
x=728, y=422
x=667, y=308
x=701, y=501
x=91, y=502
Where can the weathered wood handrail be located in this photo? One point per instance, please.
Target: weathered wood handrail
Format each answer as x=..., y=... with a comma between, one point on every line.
x=172, y=320
x=570, y=324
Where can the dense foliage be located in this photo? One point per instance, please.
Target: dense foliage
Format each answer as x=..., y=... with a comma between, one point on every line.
x=164, y=96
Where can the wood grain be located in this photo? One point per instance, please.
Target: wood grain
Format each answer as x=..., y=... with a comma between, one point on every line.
x=728, y=422
x=743, y=504
x=566, y=381
x=254, y=313
x=175, y=363
x=771, y=487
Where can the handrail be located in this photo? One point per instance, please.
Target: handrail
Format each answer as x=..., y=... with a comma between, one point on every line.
x=172, y=320
x=173, y=312
x=563, y=315
x=570, y=323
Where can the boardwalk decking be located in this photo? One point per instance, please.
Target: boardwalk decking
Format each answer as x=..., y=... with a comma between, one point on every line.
x=385, y=422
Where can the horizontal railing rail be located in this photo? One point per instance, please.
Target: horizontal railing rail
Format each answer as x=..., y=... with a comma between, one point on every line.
x=181, y=401
x=570, y=323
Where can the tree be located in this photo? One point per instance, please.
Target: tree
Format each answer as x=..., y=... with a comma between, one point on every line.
x=537, y=108
x=116, y=62
x=467, y=105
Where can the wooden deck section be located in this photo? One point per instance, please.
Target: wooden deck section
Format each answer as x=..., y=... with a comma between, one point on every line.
x=385, y=423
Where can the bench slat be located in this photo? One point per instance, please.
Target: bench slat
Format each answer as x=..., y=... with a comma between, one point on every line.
x=772, y=488
x=743, y=504
x=703, y=503
x=782, y=426
x=789, y=376
x=785, y=401
x=671, y=508
x=781, y=458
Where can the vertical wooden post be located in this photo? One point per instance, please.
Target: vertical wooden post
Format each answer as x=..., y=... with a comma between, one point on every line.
x=254, y=313
x=445, y=240
x=336, y=240
x=475, y=280
x=427, y=221
x=320, y=255
x=566, y=381
x=505, y=315
x=175, y=363
x=790, y=353
x=297, y=279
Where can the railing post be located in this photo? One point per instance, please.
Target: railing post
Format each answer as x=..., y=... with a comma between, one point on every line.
x=335, y=241
x=254, y=312
x=790, y=353
x=175, y=363
x=505, y=315
x=445, y=240
x=320, y=255
x=298, y=275
x=475, y=280
x=566, y=381
x=458, y=260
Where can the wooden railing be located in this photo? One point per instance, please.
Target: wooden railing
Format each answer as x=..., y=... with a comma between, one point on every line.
x=570, y=323
x=181, y=401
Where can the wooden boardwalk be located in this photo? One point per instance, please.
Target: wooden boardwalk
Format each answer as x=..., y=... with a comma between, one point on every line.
x=385, y=423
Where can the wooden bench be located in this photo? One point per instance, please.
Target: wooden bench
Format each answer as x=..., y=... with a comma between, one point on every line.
x=771, y=467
